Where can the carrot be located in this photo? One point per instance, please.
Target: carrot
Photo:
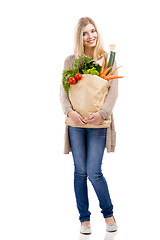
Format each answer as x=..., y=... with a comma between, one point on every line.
x=105, y=72
x=102, y=68
x=109, y=77
x=111, y=73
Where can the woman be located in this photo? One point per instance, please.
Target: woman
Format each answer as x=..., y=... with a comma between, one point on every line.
x=88, y=144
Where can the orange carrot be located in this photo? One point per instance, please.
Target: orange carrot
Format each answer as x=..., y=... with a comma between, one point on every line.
x=109, y=77
x=105, y=72
x=102, y=68
x=112, y=72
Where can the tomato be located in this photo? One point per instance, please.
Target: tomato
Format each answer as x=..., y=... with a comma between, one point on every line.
x=78, y=76
x=72, y=80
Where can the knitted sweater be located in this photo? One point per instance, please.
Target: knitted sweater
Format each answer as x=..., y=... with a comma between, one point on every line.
x=106, y=110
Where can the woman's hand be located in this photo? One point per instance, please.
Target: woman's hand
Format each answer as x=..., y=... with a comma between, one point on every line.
x=95, y=119
x=76, y=118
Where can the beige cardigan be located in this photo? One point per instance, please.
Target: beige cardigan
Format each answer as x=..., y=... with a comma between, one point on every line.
x=106, y=110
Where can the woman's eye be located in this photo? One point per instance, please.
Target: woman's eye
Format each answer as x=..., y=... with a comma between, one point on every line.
x=93, y=30
x=84, y=34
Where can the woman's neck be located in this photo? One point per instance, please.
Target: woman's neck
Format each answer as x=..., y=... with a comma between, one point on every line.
x=89, y=52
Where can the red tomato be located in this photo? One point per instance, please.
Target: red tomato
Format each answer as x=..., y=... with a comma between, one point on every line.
x=72, y=80
x=78, y=76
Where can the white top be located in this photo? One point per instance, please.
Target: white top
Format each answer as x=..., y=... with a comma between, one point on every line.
x=100, y=61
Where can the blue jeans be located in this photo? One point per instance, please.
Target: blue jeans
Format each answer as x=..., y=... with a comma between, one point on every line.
x=88, y=146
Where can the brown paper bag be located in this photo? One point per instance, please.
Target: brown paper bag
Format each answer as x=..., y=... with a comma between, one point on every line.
x=87, y=96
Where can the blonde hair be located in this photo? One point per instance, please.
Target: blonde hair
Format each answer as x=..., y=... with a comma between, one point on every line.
x=78, y=43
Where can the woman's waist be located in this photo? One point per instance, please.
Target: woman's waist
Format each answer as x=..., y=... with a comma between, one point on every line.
x=105, y=124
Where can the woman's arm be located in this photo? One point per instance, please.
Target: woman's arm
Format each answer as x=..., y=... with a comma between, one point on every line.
x=66, y=105
x=111, y=98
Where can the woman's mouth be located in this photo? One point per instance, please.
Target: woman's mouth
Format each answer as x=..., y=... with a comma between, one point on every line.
x=91, y=41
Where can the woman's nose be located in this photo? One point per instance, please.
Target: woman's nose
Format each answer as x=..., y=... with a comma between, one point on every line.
x=90, y=35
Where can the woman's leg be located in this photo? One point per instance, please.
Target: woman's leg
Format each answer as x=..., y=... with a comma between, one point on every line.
x=78, y=145
x=96, y=138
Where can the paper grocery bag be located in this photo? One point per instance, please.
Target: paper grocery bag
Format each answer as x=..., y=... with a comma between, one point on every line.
x=87, y=96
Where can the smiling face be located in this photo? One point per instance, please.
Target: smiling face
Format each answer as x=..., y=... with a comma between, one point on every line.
x=89, y=36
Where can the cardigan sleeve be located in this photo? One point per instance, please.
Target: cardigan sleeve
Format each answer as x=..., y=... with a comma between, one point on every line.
x=66, y=104
x=111, y=98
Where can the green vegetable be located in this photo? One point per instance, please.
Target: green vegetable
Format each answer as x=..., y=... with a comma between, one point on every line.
x=65, y=80
x=111, y=60
x=81, y=65
x=84, y=63
x=92, y=71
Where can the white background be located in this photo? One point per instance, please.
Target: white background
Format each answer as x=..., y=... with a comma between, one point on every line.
x=36, y=179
